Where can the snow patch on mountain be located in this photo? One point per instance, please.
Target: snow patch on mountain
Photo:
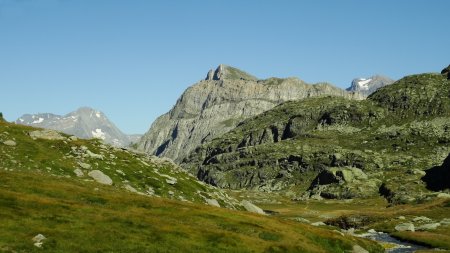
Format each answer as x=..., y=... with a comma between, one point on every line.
x=39, y=120
x=99, y=134
x=367, y=86
x=363, y=83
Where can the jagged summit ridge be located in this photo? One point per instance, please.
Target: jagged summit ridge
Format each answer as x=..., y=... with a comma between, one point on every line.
x=207, y=110
x=227, y=72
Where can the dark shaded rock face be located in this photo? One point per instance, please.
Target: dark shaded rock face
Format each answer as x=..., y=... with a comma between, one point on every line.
x=438, y=178
x=352, y=221
x=446, y=72
x=342, y=183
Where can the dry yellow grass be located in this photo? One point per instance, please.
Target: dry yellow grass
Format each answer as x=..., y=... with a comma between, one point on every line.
x=79, y=216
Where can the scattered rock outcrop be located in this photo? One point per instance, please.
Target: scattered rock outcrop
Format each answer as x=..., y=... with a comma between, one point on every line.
x=47, y=134
x=343, y=183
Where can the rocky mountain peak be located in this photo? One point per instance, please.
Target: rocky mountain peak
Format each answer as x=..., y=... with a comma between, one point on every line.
x=85, y=109
x=369, y=85
x=87, y=112
x=223, y=72
x=207, y=110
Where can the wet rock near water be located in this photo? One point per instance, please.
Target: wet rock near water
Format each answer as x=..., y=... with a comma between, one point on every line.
x=405, y=227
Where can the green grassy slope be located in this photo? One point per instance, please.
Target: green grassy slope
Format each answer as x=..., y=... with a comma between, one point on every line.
x=134, y=172
x=40, y=194
x=80, y=216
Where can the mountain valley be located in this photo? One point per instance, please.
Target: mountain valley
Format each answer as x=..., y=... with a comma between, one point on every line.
x=273, y=165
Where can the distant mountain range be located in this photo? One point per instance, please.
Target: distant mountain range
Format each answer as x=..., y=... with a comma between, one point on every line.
x=84, y=123
x=367, y=86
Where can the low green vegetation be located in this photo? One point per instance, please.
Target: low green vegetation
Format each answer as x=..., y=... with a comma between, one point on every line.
x=83, y=216
x=147, y=205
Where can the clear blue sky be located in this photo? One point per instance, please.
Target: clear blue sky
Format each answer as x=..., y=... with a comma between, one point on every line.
x=133, y=58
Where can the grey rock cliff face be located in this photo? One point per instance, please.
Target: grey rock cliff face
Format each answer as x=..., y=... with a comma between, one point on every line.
x=217, y=104
x=84, y=123
x=367, y=86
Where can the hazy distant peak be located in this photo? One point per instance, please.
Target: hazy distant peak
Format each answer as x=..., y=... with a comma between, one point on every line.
x=368, y=85
x=85, y=122
x=225, y=72
x=87, y=112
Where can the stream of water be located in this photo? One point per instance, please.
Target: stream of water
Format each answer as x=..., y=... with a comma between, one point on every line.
x=397, y=245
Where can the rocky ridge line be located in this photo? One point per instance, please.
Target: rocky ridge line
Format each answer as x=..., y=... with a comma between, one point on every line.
x=219, y=103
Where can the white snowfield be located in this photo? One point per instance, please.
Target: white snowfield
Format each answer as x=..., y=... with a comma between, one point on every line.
x=364, y=83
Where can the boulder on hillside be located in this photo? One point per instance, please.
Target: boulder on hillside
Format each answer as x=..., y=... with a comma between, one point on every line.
x=100, y=177
x=405, y=227
x=250, y=207
x=438, y=178
x=212, y=202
